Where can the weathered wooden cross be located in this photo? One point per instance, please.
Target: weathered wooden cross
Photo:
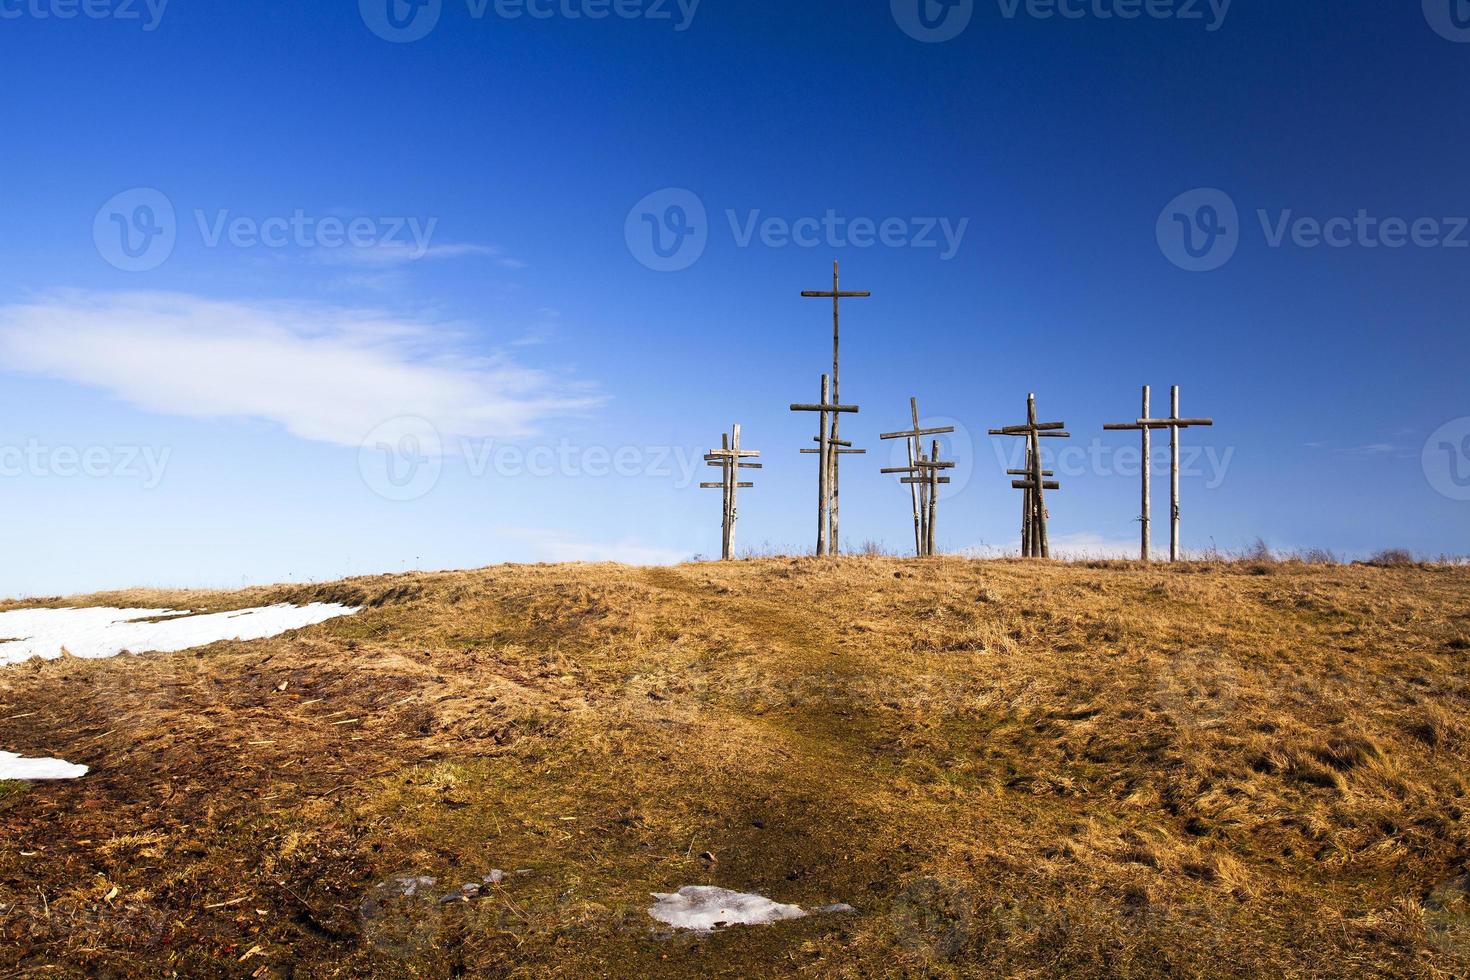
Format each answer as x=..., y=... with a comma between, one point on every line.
x=1034, y=540
x=1174, y=423
x=1146, y=552
x=837, y=295
x=828, y=451
x=731, y=460
x=922, y=477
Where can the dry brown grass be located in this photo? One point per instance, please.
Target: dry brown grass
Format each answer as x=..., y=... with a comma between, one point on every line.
x=1007, y=768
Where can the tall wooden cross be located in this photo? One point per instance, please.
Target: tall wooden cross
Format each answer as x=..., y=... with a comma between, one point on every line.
x=1173, y=423
x=731, y=460
x=922, y=477
x=837, y=295
x=1034, y=540
x=1146, y=552
x=828, y=451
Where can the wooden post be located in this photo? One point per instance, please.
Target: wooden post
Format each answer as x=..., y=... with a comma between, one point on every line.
x=829, y=449
x=933, y=500
x=1146, y=549
x=1173, y=475
x=837, y=296
x=1035, y=542
x=824, y=473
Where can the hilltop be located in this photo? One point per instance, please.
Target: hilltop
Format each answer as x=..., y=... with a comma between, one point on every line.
x=1003, y=767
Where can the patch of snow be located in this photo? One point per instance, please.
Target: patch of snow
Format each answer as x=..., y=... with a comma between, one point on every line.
x=704, y=908
x=13, y=766
x=99, y=632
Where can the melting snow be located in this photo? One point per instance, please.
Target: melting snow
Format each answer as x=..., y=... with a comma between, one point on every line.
x=13, y=766
x=703, y=908
x=99, y=633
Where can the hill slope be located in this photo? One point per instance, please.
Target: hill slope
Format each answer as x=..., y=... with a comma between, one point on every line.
x=1005, y=768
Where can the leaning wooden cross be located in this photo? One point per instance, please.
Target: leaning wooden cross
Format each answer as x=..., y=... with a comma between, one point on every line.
x=836, y=295
x=730, y=458
x=1174, y=423
x=827, y=454
x=922, y=477
x=1034, y=540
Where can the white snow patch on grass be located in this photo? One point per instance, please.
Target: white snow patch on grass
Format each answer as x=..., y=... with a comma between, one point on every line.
x=98, y=633
x=704, y=908
x=13, y=766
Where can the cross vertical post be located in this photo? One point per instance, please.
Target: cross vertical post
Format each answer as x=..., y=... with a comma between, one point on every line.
x=837, y=296
x=828, y=450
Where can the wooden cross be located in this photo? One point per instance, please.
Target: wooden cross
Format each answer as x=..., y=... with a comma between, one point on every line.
x=731, y=460
x=837, y=295
x=1034, y=540
x=1147, y=518
x=828, y=451
x=1173, y=423
x=922, y=477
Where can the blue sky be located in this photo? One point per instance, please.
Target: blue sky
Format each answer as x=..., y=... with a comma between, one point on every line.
x=354, y=251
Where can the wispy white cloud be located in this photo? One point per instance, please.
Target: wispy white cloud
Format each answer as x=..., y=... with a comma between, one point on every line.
x=563, y=546
x=391, y=253
x=329, y=374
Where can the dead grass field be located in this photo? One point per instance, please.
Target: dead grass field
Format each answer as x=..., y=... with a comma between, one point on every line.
x=1006, y=768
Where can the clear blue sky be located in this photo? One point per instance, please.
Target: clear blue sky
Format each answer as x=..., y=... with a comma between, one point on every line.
x=251, y=374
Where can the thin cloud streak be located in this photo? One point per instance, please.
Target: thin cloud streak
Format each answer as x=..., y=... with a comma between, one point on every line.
x=326, y=374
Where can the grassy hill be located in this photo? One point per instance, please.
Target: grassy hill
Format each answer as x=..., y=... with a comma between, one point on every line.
x=1005, y=768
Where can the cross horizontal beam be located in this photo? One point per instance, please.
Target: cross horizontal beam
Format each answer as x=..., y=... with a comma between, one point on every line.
x=732, y=453
x=1172, y=423
x=721, y=486
x=743, y=466
x=836, y=294
x=924, y=479
x=917, y=433
x=925, y=464
x=1028, y=485
x=840, y=452
x=1026, y=430
x=1028, y=473
x=848, y=409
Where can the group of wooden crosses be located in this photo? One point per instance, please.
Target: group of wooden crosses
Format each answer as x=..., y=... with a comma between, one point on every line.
x=924, y=474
